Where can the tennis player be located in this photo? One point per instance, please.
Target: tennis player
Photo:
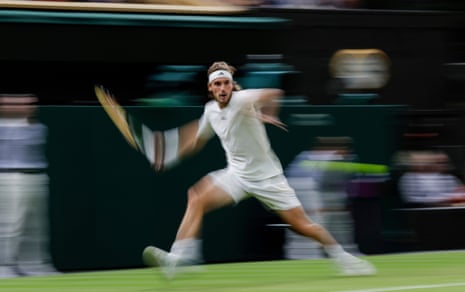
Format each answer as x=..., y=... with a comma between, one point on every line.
x=237, y=117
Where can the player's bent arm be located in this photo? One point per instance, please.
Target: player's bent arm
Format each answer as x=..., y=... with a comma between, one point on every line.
x=269, y=95
x=268, y=103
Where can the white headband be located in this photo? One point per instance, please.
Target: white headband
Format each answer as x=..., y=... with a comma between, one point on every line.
x=219, y=74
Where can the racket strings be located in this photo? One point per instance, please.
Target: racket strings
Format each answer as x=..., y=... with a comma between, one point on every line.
x=116, y=113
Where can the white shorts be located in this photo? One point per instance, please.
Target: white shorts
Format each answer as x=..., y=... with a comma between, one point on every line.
x=274, y=193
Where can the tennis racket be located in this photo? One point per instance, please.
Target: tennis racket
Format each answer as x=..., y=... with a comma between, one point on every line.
x=117, y=114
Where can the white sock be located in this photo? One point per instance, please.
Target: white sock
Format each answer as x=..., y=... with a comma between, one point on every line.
x=334, y=250
x=189, y=248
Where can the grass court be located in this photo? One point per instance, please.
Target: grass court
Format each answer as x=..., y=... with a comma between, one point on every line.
x=432, y=271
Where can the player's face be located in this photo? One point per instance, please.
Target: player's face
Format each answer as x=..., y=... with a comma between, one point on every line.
x=221, y=89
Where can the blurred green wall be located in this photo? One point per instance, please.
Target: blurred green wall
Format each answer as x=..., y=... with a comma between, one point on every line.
x=107, y=204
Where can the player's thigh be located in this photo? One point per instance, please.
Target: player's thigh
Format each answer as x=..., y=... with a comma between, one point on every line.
x=229, y=183
x=275, y=193
x=211, y=195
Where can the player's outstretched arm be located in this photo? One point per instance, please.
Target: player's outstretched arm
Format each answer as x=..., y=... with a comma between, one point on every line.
x=163, y=149
x=172, y=146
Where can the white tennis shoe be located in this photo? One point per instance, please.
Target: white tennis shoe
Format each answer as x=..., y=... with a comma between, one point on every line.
x=170, y=264
x=167, y=262
x=350, y=265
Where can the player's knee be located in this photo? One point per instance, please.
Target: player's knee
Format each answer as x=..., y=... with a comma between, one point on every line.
x=194, y=199
x=192, y=194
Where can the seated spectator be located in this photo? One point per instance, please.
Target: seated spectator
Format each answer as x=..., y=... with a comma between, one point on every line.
x=429, y=182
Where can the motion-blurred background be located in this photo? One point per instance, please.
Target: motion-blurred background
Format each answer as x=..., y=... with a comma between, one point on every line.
x=375, y=94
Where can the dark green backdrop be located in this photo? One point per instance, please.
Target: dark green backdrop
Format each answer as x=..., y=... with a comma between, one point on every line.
x=107, y=204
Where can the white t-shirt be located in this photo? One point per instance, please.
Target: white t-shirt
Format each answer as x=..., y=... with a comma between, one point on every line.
x=242, y=135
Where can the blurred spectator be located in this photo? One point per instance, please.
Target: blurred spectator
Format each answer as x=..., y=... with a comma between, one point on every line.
x=320, y=177
x=23, y=190
x=429, y=181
